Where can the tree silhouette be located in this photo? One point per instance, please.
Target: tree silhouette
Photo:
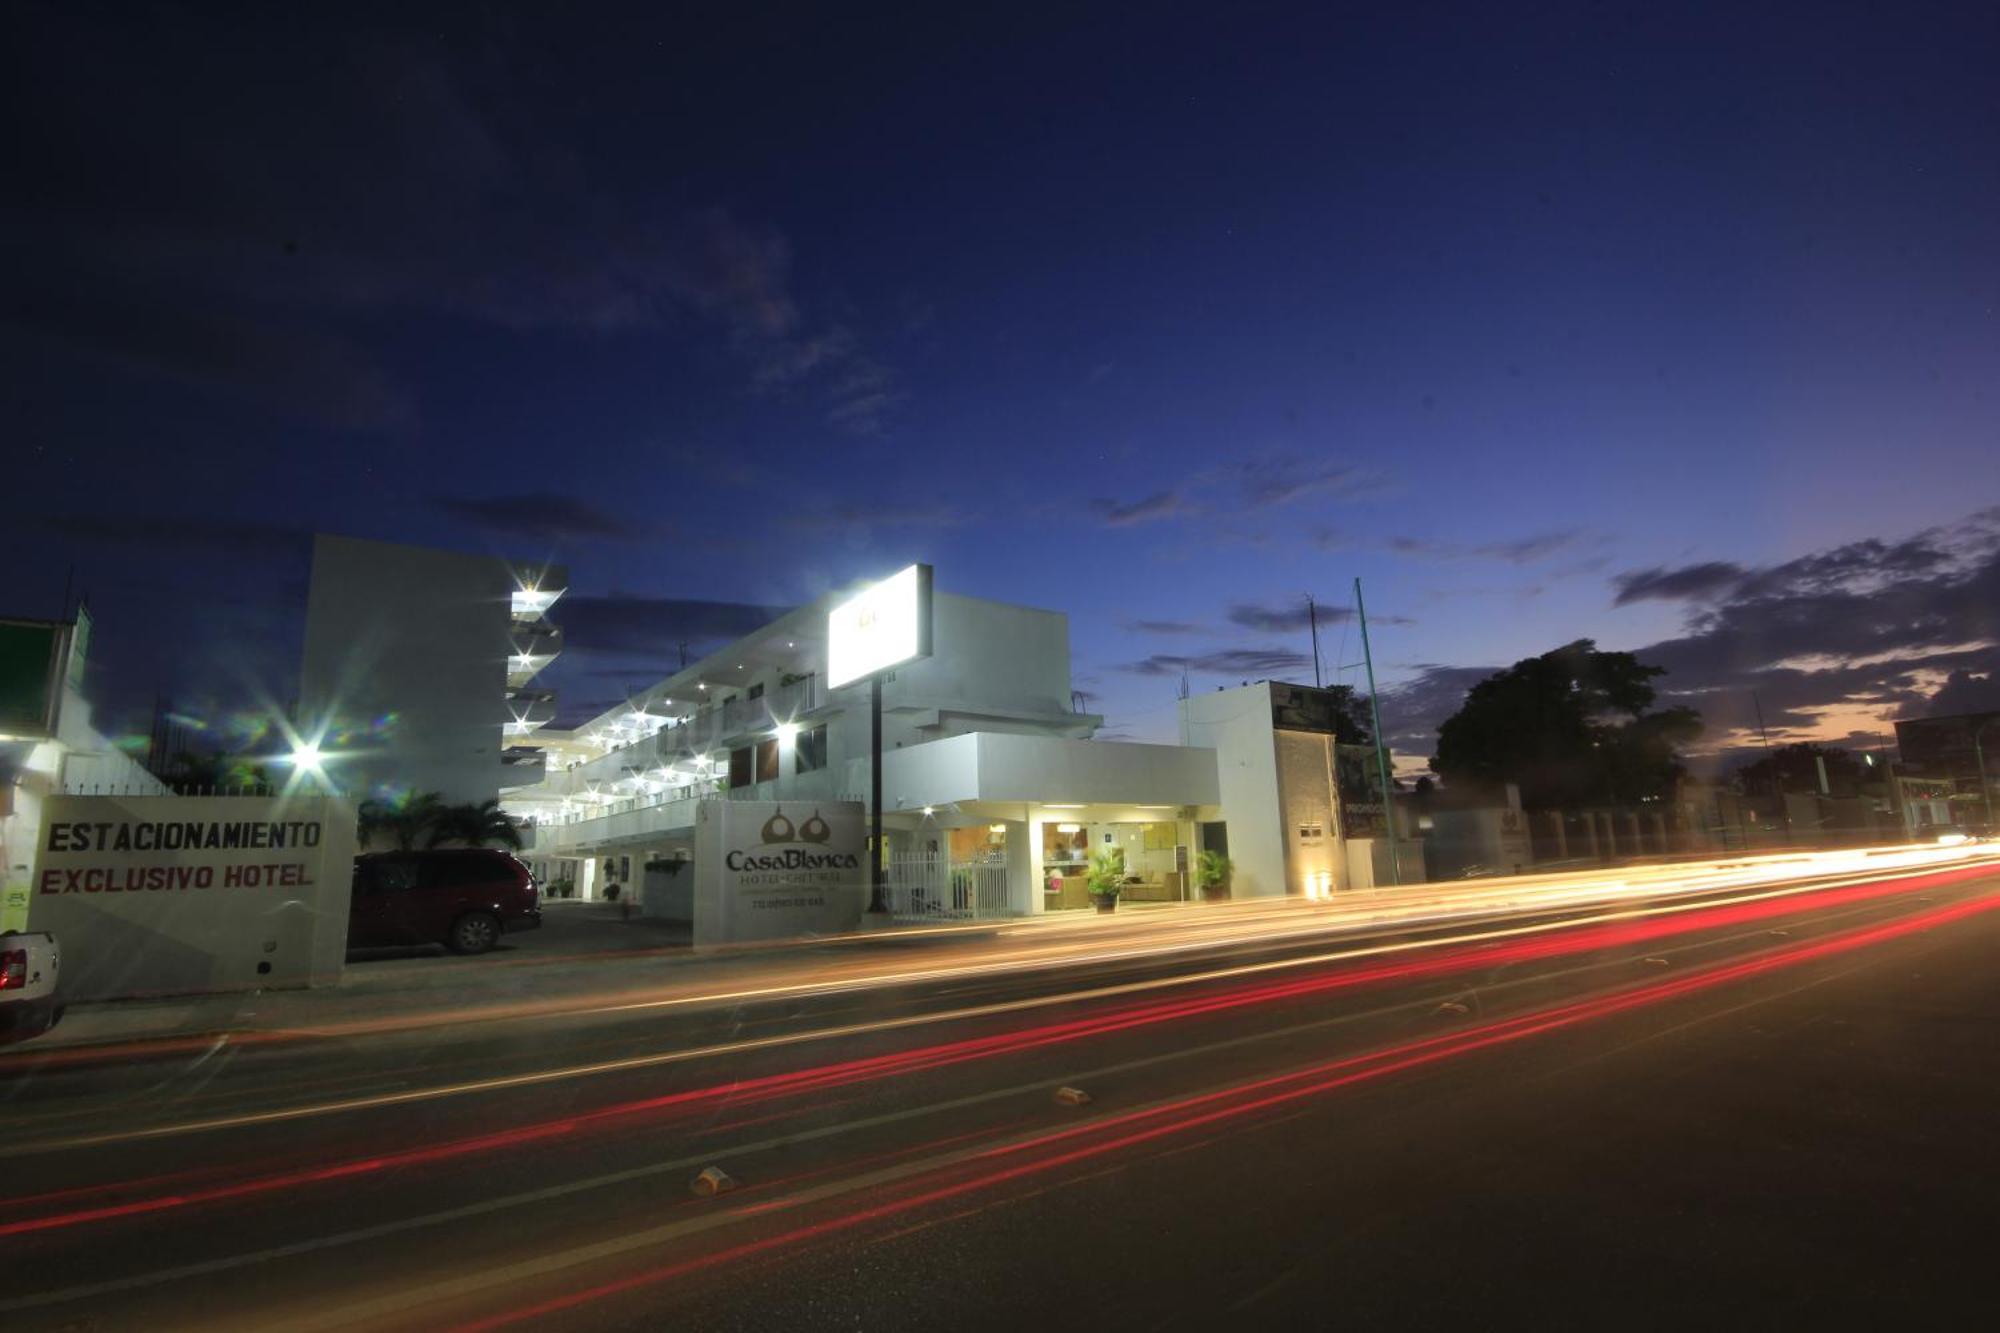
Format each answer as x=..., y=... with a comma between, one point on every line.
x=1569, y=728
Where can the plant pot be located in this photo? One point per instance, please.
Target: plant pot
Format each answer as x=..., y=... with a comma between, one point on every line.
x=1106, y=902
x=1215, y=893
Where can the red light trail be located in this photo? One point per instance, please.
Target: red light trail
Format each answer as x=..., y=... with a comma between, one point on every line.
x=1447, y=961
x=1180, y=1116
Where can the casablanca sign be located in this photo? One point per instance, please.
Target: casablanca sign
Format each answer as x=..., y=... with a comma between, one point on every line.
x=770, y=870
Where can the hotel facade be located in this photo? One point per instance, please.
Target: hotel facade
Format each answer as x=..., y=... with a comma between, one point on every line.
x=994, y=791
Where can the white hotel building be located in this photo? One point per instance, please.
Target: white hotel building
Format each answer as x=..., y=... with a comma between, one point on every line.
x=993, y=792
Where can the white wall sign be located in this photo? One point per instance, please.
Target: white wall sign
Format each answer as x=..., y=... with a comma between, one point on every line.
x=179, y=895
x=883, y=625
x=769, y=870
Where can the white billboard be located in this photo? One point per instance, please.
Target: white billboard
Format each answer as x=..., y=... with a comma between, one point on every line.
x=772, y=870
x=883, y=625
x=181, y=895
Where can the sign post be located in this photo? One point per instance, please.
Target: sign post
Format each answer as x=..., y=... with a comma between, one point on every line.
x=871, y=633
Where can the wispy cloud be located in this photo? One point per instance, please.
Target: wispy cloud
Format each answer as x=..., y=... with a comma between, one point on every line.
x=544, y=516
x=1294, y=617
x=1151, y=509
x=1513, y=551
x=1261, y=663
x=419, y=186
x=1683, y=583
x=1869, y=629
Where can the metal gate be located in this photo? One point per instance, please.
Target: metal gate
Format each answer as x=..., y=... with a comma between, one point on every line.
x=930, y=888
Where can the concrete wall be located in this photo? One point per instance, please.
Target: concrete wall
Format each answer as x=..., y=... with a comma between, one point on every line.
x=1000, y=767
x=151, y=920
x=1310, y=813
x=406, y=649
x=987, y=656
x=1236, y=724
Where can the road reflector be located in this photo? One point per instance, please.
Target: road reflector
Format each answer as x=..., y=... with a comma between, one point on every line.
x=712, y=1181
x=1451, y=1007
x=1072, y=1096
x=1657, y=962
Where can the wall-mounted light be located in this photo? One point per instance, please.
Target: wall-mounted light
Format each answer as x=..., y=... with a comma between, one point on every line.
x=787, y=732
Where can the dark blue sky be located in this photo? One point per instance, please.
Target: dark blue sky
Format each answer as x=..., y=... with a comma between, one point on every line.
x=1668, y=326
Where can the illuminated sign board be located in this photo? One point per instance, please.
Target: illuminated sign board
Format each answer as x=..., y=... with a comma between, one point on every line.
x=883, y=625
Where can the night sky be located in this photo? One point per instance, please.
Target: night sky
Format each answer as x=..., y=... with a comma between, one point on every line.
x=1674, y=328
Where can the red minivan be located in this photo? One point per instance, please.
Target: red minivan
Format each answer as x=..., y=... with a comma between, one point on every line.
x=462, y=898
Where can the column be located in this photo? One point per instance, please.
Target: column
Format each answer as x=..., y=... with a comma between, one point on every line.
x=1024, y=864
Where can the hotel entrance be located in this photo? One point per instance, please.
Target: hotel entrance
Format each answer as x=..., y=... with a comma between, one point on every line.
x=1156, y=854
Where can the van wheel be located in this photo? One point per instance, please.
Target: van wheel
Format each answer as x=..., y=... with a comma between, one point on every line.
x=475, y=932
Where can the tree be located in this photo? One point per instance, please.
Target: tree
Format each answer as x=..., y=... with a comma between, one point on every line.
x=1571, y=727
x=407, y=821
x=475, y=826
x=1796, y=768
x=1336, y=708
x=211, y=770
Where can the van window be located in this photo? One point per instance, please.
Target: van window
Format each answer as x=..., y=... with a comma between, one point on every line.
x=388, y=876
x=451, y=872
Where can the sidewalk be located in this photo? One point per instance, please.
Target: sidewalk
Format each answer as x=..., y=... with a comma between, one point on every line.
x=585, y=954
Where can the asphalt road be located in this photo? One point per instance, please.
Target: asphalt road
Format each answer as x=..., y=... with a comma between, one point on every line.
x=1758, y=1108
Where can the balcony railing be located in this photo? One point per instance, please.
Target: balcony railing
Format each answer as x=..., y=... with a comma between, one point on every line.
x=711, y=728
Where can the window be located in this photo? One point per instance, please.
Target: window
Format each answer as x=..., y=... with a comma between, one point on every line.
x=739, y=767
x=767, y=760
x=755, y=691
x=809, y=750
x=451, y=872
x=385, y=876
x=1312, y=832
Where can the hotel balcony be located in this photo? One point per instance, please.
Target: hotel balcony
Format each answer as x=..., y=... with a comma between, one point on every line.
x=535, y=644
x=522, y=766
x=528, y=710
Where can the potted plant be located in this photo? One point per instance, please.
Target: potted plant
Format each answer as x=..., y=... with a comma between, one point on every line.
x=1105, y=876
x=1212, y=873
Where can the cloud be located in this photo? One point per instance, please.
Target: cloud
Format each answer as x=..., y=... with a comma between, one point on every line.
x=1246, y=663
x=655, y=627
x=1413, y=710
x=1281, y=479
x=1516, y=551
x=1295, y=617
x=1166, y=627
x=1686, y=583
x=421, y=185
x=543, y=516
x=1833, y=641
x=1159, y=505
x=1965, y=692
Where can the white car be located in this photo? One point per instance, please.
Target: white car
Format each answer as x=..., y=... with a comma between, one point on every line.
x=29, y=964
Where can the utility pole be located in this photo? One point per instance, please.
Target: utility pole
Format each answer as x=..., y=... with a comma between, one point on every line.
x=1777, y=778
x=1381, y=750
x=1312, y=618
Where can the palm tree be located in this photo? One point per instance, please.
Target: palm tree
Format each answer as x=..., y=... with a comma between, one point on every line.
x=475, y=826
x=406, y=820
